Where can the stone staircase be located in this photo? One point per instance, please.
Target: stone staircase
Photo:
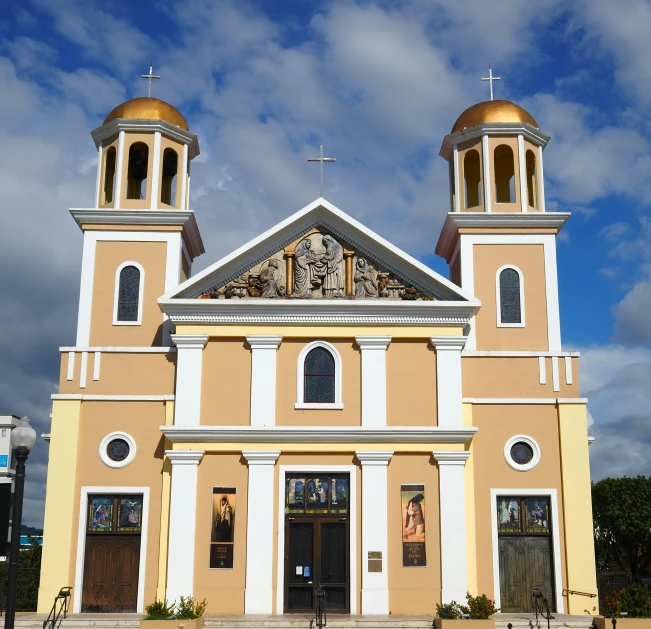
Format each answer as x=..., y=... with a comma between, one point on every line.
x=132, y=621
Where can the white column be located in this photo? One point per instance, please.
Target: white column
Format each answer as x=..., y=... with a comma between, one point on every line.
x=375, y=585
x=117, y=191
x=183, y=513
x=260, y=532
x=263, y=379
x=448, y=380
x=187, y=407
x=488, y=184
x=374, y=379
x=454, y=553
x=155, y=172
x=524, y=201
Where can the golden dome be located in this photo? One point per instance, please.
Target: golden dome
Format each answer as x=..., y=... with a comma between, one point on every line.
x=493, y=111
x=148, y=109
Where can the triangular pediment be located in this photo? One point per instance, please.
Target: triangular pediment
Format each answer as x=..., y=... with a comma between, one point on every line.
x=319, y=253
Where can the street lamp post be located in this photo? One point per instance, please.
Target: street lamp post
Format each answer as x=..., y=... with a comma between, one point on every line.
x=23, y=438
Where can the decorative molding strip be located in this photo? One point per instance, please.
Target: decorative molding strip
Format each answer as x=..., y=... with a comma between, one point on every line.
x=120, y=350
x=555, y=376
x=374, y=457
x=189, y=341
x=112, y=398
x=516, y=354
x=264, y=342
x=185, y=457
x=542, y=370
x=373, y=342
x=451, y=457
x=525, y=400
x=317, y=434
x=449, y=342
x=261, y=457
x=71, y=364
x=568, y=370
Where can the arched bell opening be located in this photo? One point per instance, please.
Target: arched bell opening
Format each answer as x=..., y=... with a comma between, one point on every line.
x=472, y=179
x=110, y=160
x=504, y=174
x=169, y=177
x=137, y=171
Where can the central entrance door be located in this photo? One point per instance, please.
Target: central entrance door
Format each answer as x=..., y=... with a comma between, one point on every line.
x=317, y=542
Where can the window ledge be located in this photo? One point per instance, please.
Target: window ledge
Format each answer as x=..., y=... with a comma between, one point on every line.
x=323, y=406
x=127, y=323
x=510, y=325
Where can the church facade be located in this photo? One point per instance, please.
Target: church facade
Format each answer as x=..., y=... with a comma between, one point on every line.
x=318, y=413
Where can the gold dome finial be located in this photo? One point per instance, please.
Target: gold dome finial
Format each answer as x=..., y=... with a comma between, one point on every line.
x=493, y=111
x=147, y=108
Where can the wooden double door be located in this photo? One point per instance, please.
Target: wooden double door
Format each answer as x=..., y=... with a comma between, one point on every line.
x=317, y=556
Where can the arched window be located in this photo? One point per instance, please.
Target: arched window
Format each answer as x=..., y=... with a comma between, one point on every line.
x=510, y=297
x=129, y=280
x=168, y=183
x=532, y=196
x=318, y=383
x=504, y=174
x=472, y=178
x=109, y=175
x=137, y=171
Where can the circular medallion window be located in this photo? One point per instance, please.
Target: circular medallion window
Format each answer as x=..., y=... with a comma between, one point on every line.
x=522, y=453
x=117, y=449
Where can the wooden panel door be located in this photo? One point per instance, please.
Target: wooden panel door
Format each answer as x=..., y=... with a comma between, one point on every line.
x=539, y=566
x=111, y=573
x=299, y=566
x=512, y=575
x=333, y=569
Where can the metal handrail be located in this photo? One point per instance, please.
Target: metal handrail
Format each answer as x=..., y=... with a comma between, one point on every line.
x=579, y=593
x=540, y=605
x=53, y=617
x=321, y=615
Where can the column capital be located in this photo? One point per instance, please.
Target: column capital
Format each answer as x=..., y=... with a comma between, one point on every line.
x=373, y=342
x=448, y=342
x=374, y=457
x=190, y=341
x=263, y=341
x=184, y=457
x=261, y=457
x=451, y=457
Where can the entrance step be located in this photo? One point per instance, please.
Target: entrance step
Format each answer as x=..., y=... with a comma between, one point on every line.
x=525, y=621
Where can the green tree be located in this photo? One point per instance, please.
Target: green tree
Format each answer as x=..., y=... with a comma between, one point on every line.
x=621, y=510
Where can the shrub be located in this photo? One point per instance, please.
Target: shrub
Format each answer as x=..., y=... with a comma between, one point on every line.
x=448, y=611
x=159, y=610
x=634, y=599
x=479, y=607
x=189, y=609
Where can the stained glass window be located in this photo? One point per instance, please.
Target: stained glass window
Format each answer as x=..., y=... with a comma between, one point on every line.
x=319, y=376
x=129, y=514
x=295, y=497
x=537, y=515
x=339, y=495
x=100, y=514
x=508, y=515
x=128, y=294
x=521, y=452
x=118, y=450
x=317, y=495
x=510, y=296
x=321, y=494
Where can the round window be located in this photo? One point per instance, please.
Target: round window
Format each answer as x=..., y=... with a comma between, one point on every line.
x=521, y=452
x=118, y=450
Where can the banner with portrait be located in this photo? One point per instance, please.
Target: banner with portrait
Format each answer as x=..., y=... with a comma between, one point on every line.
x=412, y=502
x=223, y=527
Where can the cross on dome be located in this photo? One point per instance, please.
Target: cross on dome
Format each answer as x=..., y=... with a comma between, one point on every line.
x=150, y=76
x=490, y=78
x=321, y=159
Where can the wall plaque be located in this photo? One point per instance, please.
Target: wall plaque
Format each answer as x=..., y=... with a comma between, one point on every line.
x=412, y=500
x=223, y=527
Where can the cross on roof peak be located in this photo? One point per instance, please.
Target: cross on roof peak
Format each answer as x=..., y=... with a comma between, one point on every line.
x=490, y=78
x=321, y=159
x=149, y=76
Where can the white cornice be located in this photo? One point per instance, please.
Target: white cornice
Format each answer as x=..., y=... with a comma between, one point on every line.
x=107, y=216
x=112, y=398
x=190, y=341
x=451, y=458
x=374, y=457
x=261, y=457
x=321, y=311
x=148, y=126
x=373, y=342
x=316, y=434
x=495, y=221
x=449, y=342
x=264, y=341
x=120, y=350
x=528, y=131
x=185, y=457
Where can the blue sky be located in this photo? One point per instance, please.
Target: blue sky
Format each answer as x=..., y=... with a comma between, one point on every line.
x=380, y=84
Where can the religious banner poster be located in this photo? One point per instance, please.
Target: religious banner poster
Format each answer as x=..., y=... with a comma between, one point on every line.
x=412, y=502
x=223, y=527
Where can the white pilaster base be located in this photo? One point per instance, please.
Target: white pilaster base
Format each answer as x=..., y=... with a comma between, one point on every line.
x=448, y=380
x=183, y=513
x=375, y=585
x=258, y=595
x=263, y=379
x=374, y=379
x=452, y=496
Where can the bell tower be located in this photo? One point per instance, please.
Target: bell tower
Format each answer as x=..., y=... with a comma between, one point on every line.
x=141, y=237
x=498, y=240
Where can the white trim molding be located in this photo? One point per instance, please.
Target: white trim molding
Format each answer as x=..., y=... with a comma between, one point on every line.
x=258, y=593
x=116, y=294
x=182, y=522
x=319, y=434
x=189, y=365
x=375, y=535
x=81, y=539
x=448, y=380
x=556, y=544
x=532, y=443
x=112, y=398
x=452, y=507
x=300, y=378
x=103, y=447
x=374, y=379
x=498, y=297
x=352, y=518
x=263, y=378
x=524, y=400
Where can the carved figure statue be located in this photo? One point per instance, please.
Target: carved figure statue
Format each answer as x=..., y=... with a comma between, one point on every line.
x=334, y=282
x=366, y=280
x=272, y=280
x=303, y=255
